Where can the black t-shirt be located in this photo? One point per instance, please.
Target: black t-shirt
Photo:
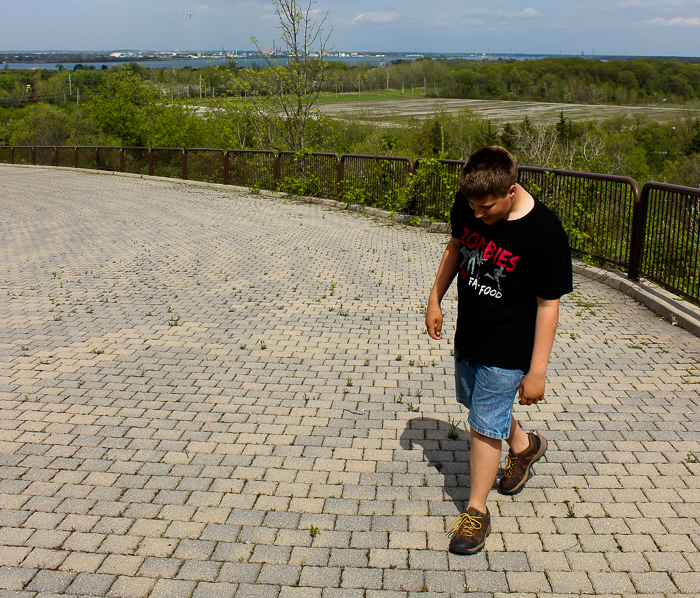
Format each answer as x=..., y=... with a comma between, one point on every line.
x=503, y=268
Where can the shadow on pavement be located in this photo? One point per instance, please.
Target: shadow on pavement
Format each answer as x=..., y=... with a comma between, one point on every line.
x=449, y=458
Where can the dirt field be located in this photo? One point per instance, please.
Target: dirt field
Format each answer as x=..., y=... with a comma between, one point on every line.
x=496, y=110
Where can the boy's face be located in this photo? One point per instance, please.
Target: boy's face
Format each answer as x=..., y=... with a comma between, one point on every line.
x=493, y=209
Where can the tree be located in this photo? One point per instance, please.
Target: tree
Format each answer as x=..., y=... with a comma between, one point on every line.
x=122, y=108
x=43, y=125
x=284, y=95
x=138, y=115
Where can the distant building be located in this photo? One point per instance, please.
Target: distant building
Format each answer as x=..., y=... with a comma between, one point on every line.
x=118, y=55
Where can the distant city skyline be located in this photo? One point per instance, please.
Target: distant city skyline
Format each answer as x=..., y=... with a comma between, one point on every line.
x=625, y=27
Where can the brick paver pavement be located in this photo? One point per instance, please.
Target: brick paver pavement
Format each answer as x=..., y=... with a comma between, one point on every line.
x=212, y=394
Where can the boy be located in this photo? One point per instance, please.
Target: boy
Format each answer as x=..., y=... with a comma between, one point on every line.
x=512, y=259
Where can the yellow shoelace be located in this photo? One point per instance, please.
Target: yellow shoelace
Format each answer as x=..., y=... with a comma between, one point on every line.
x=466, y=521
x=508, y=469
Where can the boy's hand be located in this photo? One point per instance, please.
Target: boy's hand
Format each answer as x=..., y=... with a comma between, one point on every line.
x=433, y=320
x=531, y=388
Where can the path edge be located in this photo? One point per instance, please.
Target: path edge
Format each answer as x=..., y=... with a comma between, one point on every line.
x=655, y=298
x=659, y=301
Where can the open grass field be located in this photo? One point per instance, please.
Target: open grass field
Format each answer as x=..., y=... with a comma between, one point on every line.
x=392, y=107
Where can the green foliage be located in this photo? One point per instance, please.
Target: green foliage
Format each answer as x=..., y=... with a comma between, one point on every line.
x=432, y=186
x=684, y=171
x=42, y=124
x=137, y=115
x=124, y=108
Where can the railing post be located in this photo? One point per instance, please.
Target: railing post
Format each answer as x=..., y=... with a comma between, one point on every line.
x=413, y=199
x=13, y=154
x=121, y=159
x=75, y=156
x=277, y=171
x=184, y=164
x=33, y=155
x=225, y=167
x=150, y=162
x=340, y=176
x=639, y=225
x=97, y=157
x=55, y=155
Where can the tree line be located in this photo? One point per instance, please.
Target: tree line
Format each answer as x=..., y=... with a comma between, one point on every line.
x=568, y=80
x=125, y=107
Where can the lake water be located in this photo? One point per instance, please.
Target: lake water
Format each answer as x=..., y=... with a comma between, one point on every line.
x=242, y=62
x=178, y=64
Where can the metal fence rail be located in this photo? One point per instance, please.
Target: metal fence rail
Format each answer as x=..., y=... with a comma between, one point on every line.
x=669, y=238
x=7, y=154
x=313, y=174
x=86, y=157
x=23, y=155
x=109, y=158
x=45, y=155
x=654, y=233
x=435, y=185
x=137, y=160
x=205, y=165
x=167, y=161
x=596, y=210
x=380, y=181
x=65, y=156
x=252, y=168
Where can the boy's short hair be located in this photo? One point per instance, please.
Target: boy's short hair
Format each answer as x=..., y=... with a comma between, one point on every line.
x=489, y=172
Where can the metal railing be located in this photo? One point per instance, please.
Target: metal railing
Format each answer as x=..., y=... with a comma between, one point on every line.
x=312, y=174
x=596, y=210
x=64, y=156
x=654, y=233
x=436, y=183
x=375, y=180
x=668, y=243
x=252, y=168
x=207, y=165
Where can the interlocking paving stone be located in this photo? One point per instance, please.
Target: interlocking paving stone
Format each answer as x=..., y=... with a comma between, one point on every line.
x=201, y=395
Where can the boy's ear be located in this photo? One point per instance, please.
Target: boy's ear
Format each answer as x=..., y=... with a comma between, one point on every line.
x=513, y=189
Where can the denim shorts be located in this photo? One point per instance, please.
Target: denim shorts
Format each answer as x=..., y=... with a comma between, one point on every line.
x=488, y=392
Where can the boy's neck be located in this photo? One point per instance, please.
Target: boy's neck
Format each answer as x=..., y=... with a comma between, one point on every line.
x=522, y=204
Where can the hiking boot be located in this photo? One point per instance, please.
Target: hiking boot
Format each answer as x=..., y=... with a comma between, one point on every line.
x=517, y=468
x=468, y=532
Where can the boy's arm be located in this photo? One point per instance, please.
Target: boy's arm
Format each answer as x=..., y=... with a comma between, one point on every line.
x=532, y=386
x=449, y=265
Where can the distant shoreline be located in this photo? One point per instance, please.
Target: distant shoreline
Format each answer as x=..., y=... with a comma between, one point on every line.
x=30, y=60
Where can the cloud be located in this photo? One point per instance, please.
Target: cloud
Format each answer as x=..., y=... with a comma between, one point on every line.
x=691, y=22
x=528, y=12
x=376, y=17
x=631, y=4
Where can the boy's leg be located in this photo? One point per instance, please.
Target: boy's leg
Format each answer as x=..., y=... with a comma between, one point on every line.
x=518, y=439
x=484, y=460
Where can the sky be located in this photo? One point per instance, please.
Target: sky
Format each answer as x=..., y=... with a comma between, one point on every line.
x=600, y=27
